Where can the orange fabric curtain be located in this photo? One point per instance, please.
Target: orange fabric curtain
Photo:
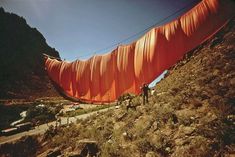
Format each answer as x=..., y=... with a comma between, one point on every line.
x=103, y=78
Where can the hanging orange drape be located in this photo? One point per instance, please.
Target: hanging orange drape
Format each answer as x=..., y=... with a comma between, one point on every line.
x=103, y=78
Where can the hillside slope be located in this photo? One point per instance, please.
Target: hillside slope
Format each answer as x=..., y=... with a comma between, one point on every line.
x=190, y=114
x=22, y=73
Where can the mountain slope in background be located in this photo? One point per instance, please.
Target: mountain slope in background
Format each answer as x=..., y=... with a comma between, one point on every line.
x=22, y=73
x=190, y=114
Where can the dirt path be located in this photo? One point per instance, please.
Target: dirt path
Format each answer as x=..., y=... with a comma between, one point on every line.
x=42, y=128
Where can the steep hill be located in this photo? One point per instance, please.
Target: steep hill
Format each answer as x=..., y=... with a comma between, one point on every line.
x=22, y=73
x=190, y=114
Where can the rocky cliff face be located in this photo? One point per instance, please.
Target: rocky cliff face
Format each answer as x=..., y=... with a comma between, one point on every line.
x=22, y=73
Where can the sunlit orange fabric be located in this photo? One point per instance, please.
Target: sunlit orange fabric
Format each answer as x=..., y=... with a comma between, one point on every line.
x=103, y=78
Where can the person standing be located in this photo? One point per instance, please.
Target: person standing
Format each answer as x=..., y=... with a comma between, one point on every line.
x=145, y=90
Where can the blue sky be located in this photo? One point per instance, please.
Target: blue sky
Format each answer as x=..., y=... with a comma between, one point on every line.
x=79, y=29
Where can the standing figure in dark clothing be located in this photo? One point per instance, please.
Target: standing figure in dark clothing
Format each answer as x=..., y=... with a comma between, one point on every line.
x=145, y=90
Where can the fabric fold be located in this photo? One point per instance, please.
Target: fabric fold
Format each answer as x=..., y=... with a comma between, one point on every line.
x=103, y=78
